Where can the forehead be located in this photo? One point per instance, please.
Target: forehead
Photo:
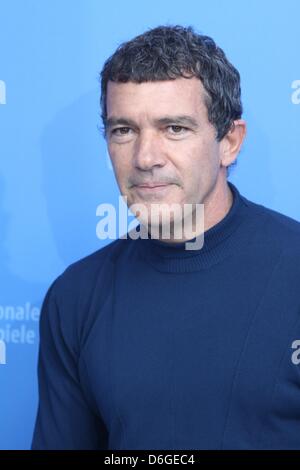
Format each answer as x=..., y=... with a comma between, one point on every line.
x=165, y=96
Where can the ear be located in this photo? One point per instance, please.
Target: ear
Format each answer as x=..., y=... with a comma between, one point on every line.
x=231, y=143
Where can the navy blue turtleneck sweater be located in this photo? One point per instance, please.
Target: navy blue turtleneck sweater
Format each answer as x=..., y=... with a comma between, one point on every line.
x=145, y=345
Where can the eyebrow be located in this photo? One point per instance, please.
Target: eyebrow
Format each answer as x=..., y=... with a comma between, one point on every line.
x=166, y=120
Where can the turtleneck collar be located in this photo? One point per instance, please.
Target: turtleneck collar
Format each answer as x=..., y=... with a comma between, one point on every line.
x=218, y=243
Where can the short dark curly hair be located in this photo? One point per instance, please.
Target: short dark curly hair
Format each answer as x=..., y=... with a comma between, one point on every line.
x=168, y=52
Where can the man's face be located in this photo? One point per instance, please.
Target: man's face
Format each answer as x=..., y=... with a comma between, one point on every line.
x=149, y=145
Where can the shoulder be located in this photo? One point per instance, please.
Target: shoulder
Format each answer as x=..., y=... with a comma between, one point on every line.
x=86, y=270
x=76, y=297
x=276, y=219
x=273, y=226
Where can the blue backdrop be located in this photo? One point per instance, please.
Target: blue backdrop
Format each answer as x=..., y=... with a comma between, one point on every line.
x=54, y=167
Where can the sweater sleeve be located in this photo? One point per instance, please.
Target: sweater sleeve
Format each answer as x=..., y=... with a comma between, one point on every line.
x=64, y=418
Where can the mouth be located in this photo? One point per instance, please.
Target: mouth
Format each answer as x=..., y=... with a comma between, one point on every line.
x=146, y=188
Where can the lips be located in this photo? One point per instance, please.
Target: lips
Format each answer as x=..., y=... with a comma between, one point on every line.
x=150, y=186
x=159, y=188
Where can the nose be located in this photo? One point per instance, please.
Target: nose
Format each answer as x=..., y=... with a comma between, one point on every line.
x=148, y=151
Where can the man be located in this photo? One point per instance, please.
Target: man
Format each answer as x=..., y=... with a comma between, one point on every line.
x=145, y=344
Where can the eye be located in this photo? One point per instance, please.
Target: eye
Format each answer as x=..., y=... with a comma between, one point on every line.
x=114, y=131
x=177, y=128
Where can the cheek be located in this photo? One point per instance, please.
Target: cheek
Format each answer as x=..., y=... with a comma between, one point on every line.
x=199, y=166
x=119, y=163
x=203, y=157
x=194, y=161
